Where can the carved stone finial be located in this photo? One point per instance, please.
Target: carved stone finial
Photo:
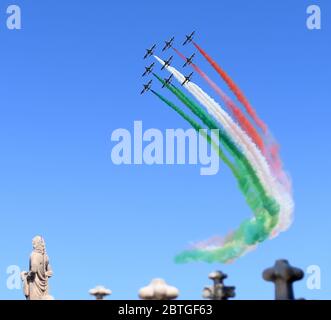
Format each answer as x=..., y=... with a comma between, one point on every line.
x=100, y=292
x=218, y=291
x=158, y=289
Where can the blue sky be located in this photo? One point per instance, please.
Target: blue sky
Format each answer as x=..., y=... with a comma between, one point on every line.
x=72, y=75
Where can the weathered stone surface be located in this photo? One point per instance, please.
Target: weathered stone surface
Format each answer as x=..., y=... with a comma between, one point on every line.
x=100, y=292
x=35, y=282
x=282, y=274
x=218, y=291
x=158, y=289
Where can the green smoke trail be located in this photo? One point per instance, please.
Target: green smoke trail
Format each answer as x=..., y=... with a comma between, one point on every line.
x=224, y=138
x=200, y=130
x=265, y=208
x=239, y=174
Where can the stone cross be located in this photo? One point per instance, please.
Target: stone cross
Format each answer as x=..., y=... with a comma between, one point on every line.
x=158, y=289
x=282, y=274
x=218, y=291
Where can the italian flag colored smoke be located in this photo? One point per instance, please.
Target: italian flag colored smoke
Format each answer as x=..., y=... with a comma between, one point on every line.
x=272, y=149
x=243, y=150
x=237, y=113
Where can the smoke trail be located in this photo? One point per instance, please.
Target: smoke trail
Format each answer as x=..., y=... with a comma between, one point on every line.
x=250, y=150
x=235, y=89
x=246, y=170
x=238, y=243
x=247, y=181
x=212, y=124
x=272, y=150
x=238, y=114
x=230, y=127
x=200, y=130
x=250, y=232
x=225, y=139
x=243, y=140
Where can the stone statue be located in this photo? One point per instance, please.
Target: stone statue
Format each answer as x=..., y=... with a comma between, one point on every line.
x=35, y=282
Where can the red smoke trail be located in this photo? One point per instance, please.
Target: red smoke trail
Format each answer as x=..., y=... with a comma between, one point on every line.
x=238, y=114
x=235, y=89
x=272, y=149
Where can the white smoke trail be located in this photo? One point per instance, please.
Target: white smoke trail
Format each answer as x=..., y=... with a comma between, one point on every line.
x=251, y=151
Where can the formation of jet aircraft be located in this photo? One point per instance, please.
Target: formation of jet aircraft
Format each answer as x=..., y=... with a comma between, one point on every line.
x=167, y=63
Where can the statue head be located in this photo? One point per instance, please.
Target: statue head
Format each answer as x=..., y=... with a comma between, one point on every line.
x=38, y=244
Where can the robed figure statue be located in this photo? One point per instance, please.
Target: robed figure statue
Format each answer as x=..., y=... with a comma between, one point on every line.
x=35, y=282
